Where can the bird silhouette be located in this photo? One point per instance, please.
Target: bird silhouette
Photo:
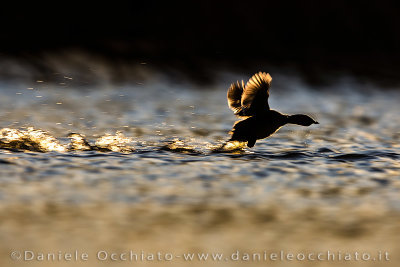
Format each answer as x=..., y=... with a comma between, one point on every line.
x=251, y=102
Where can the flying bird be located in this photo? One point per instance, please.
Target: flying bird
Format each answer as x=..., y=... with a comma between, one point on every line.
x=251, y=102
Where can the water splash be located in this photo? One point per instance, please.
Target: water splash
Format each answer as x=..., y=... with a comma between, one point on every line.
x=230, y=146
x=29, y=139
x=180, y=146
x=115, y=143
x=79, y=142
x=36, y=140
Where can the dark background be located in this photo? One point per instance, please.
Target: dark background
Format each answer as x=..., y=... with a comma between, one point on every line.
x=315, y=38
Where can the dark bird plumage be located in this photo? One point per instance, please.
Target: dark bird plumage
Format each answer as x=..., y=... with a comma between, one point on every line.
x=251, y=102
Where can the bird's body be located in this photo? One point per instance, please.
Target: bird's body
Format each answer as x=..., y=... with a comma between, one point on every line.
x=257, y=127
x=251, y=101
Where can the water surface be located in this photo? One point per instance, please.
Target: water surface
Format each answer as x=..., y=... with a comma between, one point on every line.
x=150, y=146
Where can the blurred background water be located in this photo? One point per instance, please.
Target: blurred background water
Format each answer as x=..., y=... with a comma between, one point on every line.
x=110, y=116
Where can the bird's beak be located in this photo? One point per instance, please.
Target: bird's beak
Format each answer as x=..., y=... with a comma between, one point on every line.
x=316, y=122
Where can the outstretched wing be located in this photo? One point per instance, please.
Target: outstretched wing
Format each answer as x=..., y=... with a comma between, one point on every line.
x=255, y=94
x=234, y=96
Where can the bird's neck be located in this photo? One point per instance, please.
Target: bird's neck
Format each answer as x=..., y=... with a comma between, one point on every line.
x=296, y=119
